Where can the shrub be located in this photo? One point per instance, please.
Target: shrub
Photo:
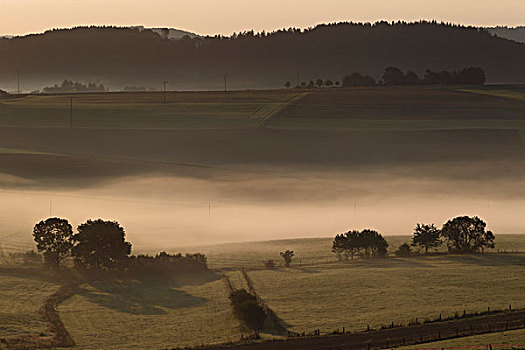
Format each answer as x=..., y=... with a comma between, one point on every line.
x=287, y=256
x=270, y=264
x=404, y=250
x=247, y=309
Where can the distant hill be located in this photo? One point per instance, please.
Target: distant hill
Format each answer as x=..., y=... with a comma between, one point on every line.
x=516, y=34
x=118, y=57
x=170, y=33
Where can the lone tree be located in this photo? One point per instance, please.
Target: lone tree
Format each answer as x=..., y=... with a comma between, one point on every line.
x=100, y=244
x=287, y=256
x=53, y=237
x=287, y=84
x=467, y=235
x=426, y=237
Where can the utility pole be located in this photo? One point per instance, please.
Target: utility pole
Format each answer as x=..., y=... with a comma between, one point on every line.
x=297, y=72
x=165, y=93
x=18, y=81
x=225, y=80
x=71, y=112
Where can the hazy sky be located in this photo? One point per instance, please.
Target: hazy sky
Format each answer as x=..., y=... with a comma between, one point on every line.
x=228, y=16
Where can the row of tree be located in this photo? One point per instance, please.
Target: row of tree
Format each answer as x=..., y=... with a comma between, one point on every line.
x=393, y=76
x=100, y=244
x=463, y=235
x=319, y=83
x=71, y=86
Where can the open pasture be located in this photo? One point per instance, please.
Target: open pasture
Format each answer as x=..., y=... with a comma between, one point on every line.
x=187, y=311
x=310, y=251
x=356, y=294
x=404, y=108
x=509, y=338
x=22, y=293
x=206, y=110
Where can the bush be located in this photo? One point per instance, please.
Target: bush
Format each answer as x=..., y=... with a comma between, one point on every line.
x=270, y=264
x=247, y=309
x=404, y=250
x=164, y=263
x=287, y=256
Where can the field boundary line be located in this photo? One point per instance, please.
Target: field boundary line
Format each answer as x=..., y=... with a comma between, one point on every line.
x=59, y=337
x=278, y=325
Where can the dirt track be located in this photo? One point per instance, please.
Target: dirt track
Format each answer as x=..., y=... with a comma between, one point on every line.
x=379, y=339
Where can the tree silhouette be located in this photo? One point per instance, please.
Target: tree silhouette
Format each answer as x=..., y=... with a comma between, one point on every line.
x=319, y=82
x=287, y=84
x=357, y=79
x=287, y=256
x=467, y=235
x=426, y=237
x=100, y=244
x=404, y=250
x=367, y=243
x=393, y=76
x=328, y=82
x=53, y=237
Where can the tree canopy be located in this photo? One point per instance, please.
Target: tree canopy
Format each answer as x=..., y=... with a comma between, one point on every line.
x=367, y=243
x=100, y=244
x=53, y=237
x=426, y=237
x=466, y=234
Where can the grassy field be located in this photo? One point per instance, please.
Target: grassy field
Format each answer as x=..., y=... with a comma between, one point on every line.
x=21, y=295
x=377, y=293
x=308, y=251
x=124, y=315
x=208, y=110
x=195, y=310
x=510, y=338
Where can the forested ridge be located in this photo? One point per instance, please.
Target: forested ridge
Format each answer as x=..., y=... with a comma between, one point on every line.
x=127, y=56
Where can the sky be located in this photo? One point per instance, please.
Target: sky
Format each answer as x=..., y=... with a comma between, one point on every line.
x=209, y=17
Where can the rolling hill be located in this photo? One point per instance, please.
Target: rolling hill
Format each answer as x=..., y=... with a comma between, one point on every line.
x=127, y=56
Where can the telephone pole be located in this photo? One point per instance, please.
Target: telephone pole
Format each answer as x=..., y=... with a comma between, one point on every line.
x=71, y=112
x=165, y=93
x=18, y=81
x=225, y=81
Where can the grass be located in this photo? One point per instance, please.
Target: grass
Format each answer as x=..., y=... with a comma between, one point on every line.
x=20, y=299
x=383, y=108
x=516, y=337
x=127, y=314
x=205, y=110
x=375, y=293
x=308, y=251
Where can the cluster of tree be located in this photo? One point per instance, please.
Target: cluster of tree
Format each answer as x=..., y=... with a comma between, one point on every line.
x=466, y=76
x=164, y=263
x=462, y=235
x=366, y=244
x=247, y=309
x=134, y=88
x=115, y=54
x=100, y=244
x=71, y=86
x=319, y=83
x=395, y=76
x=3, y=93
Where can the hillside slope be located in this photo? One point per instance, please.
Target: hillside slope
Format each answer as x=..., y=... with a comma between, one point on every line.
x=126, y=56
